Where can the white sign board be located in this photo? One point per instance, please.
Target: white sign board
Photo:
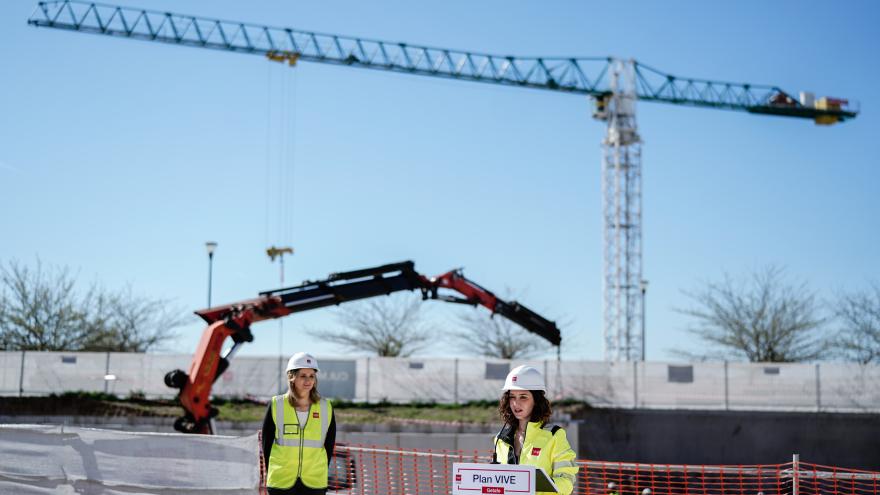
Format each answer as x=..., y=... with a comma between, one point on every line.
x=495, y=479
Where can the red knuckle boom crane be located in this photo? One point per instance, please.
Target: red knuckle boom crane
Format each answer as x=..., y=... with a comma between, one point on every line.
x=234, y=321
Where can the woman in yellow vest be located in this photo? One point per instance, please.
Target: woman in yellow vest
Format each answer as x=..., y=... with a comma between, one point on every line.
x=299, y=433
x=526, y=437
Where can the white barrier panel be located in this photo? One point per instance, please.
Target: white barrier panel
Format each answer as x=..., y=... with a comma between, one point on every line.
x=252, y=376
x=848, y=385
x=37, y=459
x=142, y=373
x=754, y=386
x=47, y=372
x=10, y=372
x=709, y=385
x=478, y=379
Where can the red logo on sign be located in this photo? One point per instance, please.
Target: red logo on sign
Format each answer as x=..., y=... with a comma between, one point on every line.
x=493, y=489
x=317, y=415
x=457, y=477
x=536, y=451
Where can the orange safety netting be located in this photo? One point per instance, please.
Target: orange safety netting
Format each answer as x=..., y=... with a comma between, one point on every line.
x=371, y=470
x=606, y=478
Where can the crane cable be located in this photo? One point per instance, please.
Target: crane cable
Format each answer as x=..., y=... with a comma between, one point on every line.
x=280, y=156
x=280, y=172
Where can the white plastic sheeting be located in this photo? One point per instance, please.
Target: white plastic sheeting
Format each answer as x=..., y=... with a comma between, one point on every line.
x=709, y=385
x=37, y=459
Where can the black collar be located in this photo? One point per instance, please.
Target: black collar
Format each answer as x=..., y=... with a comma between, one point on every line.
x=507, y=433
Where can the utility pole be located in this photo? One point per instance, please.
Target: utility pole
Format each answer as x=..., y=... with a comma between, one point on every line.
x=279, y=252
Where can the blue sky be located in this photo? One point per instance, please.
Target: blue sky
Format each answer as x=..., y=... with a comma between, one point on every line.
x=120, y=158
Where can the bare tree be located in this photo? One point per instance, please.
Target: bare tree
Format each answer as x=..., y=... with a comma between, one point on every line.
x=41, y=309
x=495, y=337
x=132, y=324
x=858, y=312
x=764, y=319
x=390, y=327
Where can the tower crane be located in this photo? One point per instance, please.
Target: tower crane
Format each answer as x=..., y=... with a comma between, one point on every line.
x=614, y=84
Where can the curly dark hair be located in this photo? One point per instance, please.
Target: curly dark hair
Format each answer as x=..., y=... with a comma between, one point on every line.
x=540, y=413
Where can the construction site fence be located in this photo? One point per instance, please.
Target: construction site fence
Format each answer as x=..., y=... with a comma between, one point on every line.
x=700, y=385
x=51, y=459
x=368, y=470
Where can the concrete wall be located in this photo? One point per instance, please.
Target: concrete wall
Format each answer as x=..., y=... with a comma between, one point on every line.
x=730, y=437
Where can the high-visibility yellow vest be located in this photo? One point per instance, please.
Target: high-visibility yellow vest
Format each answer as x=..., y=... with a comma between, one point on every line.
x=298, y=450
x=547, y=450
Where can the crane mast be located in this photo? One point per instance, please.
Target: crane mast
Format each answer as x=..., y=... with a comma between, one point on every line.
x=622, y=211
x=614, y=84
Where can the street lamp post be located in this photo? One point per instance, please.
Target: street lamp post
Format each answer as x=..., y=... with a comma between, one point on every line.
x=210, y=246
x=644, y=287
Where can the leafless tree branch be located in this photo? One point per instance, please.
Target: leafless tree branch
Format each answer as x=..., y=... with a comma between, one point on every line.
x=389, y=327
x=41, y=309
x=763, y=319
x=858, y=313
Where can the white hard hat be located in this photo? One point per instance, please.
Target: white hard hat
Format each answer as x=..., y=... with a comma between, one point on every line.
x=524, y=378
x=302, y=360
x=646, y=491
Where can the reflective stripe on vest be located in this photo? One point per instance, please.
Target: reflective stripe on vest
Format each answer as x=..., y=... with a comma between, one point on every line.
x=545, y=449
x=279, y=420
x=299, y=451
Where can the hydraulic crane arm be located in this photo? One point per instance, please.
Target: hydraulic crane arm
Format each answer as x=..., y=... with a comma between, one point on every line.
x=234, y=320
x=513, y=311
x=580, y=75
x=336, y=289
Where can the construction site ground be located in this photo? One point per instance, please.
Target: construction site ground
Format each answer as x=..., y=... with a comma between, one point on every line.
x=244, y=410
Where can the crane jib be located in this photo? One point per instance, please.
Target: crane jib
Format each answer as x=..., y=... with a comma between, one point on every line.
x=579, y=75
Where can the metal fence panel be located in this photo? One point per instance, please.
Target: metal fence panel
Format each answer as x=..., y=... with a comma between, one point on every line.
x=10, y=372
x=711, y=385
x=55, y=372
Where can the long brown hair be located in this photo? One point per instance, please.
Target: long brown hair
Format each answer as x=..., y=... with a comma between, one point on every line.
x=314, y=396
x=540, y=413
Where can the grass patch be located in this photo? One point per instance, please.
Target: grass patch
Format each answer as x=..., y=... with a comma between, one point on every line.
x=403, y=413
x=380, y=412
x=248, y=410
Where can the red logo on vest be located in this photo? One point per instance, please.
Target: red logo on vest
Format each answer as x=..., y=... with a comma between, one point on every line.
x=536, y=451
x=316, y=415
x=493, y=489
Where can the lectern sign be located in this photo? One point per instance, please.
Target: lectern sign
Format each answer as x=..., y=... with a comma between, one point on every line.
x=477, y=479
